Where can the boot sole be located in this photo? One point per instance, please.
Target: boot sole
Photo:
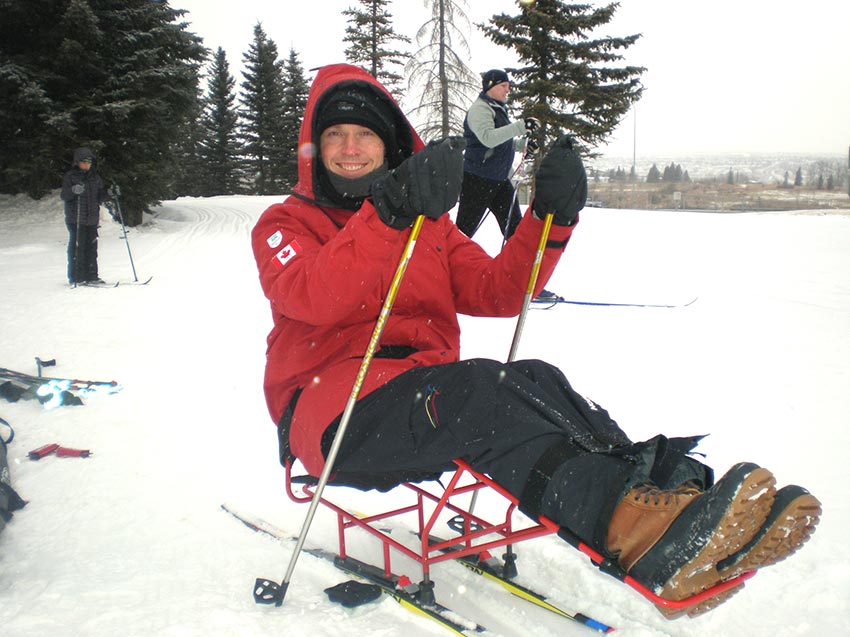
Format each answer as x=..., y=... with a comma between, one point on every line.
x=741, y=519
x=787, y=531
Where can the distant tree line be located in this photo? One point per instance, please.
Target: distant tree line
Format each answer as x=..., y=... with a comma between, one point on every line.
x=672, y=173
x=165, y=117
x=820, y=175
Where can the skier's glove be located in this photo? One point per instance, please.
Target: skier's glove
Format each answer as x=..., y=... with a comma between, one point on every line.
x=428, y=183
x=561, y=184
x=531, y=125
x=78, y=189
x=532, y=148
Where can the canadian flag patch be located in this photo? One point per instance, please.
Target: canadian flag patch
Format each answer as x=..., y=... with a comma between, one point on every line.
x=286, y=253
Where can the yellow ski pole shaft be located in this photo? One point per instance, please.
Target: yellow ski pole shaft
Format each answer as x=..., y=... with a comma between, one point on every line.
x=532, y=281
x=352, y=400
x=529, y=294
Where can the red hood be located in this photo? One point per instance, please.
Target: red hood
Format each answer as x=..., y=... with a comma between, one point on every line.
x=329, y=78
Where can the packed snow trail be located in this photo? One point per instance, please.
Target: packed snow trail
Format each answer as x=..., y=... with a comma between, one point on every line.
x=131, y=540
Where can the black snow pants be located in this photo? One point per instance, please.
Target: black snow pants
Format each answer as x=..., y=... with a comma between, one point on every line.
x=477, y=195
x=82, y=256
x=522, y=424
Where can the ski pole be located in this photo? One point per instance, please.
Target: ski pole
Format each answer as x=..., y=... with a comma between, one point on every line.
x=532, y=281
x=278, y=591
x=487, y=210
x=77, y=243
x=529, y=294
x=116, y=193
x=515, y=196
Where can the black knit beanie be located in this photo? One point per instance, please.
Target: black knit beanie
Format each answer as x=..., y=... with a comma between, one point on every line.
x=359, y=104
x=492, y=78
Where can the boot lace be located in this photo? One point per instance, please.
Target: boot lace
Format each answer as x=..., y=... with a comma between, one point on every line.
x=650, y=494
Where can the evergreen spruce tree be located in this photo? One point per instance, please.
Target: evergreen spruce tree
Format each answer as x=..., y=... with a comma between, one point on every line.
x=262, y=114
x=137, y=114
x=32, y=126
x=369, y=35
x=116, y=75
x=568, y=79
x=438, y=71
x=220, y=152
x=189, y=180
x=654, y=175
x=295, y=90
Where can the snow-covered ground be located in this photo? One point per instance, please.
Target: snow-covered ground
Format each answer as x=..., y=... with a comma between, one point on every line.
x=131, y=541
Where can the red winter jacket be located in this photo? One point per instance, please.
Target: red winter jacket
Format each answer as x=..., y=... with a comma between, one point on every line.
x=326, y=272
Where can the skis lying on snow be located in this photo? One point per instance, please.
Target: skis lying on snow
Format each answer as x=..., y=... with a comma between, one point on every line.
x=50, y=391
x=111, y=284
x=399, y=588
x=490, y=568
x=546, y=304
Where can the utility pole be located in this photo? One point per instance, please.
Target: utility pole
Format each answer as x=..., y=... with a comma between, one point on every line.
x=634, y=141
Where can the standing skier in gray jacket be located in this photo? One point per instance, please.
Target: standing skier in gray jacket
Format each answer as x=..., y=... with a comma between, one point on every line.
x=491, y=141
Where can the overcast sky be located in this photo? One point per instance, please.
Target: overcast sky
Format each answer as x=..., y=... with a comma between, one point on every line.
x=722, y=76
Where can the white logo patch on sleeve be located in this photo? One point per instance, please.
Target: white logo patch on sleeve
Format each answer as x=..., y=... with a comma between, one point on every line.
x=287, y=253
x=275, y=239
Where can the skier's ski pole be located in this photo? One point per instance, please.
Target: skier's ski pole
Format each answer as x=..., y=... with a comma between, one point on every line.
x=76, y=268
x=116, y=193
x=510, y=217
x=487, y=210
x=532, y=281
x=279, y=591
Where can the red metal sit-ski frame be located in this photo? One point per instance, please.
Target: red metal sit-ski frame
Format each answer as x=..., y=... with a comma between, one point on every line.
x=477, y=536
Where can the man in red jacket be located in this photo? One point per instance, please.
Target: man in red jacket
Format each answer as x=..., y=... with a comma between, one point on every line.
x=326, y=256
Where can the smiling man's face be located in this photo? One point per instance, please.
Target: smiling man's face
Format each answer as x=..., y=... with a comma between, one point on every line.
x=351, y=150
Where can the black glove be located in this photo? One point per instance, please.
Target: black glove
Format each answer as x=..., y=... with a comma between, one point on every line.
x=561, y=184
x=531, y=125
x=78, y=189
x=531, y=149
x=428, y=183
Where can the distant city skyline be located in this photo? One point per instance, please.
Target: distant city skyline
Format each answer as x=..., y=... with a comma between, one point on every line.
x=762, y=76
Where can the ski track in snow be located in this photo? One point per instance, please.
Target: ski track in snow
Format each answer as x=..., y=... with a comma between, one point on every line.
x=131, y=541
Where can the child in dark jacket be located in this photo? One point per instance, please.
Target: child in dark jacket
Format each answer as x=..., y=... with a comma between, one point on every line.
x=82, y=192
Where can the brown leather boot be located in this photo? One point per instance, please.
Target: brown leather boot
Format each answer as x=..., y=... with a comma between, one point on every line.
x=671, y=541
x=642, y=517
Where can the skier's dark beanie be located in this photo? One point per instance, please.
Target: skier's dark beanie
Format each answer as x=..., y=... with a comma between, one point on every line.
x=359, y=104
x=492, y=78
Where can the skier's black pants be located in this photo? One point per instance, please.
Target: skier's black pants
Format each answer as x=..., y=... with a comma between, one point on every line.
x=522, y=424
x=82, y=259
x=479, y=193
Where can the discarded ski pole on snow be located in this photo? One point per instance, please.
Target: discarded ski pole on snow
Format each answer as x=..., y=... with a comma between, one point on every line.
x=265, y=591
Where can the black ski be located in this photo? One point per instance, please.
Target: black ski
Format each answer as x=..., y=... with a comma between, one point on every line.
x=490, y=568
x=137, y=282
x=394, y=586
x=550, y=303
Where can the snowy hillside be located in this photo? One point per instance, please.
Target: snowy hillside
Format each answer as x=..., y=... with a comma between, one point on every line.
x=131, y=541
